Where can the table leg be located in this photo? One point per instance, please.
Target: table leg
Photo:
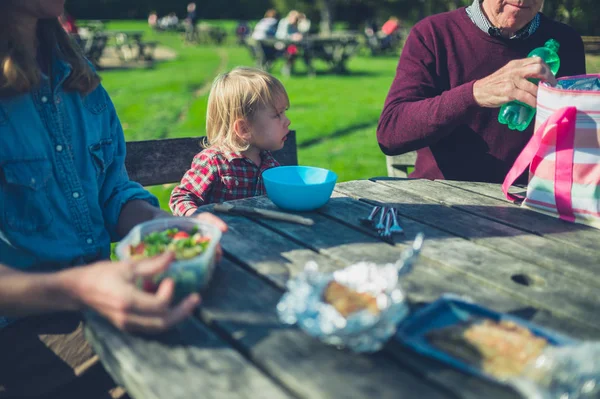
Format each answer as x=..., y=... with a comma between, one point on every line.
x=307, y=57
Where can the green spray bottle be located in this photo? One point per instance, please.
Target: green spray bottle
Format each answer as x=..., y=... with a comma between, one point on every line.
x=516, y=114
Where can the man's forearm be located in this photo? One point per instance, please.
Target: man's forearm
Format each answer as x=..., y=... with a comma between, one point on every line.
x=410, y=125
x=135, y=212
x=23, y=294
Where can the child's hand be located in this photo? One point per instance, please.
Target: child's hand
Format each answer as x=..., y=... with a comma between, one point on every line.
x=212, y=219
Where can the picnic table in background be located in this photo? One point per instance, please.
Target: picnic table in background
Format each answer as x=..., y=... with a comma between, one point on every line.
x=208, y=34
x=130, y=46
x=93, y=39
x=379, y=45
x=335, y=49
x=477, y=244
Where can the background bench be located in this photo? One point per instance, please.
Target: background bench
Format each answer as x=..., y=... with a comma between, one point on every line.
x=152, y=162
x=208, y=34
x=93, y=45
x=400, y=165
x=591, y=44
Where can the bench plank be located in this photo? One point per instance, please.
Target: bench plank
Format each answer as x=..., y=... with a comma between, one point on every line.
x=152, y=162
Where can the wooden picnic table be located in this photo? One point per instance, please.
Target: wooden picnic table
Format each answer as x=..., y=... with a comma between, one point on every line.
x=477, y=244
x=129, y=45
x=335, y=49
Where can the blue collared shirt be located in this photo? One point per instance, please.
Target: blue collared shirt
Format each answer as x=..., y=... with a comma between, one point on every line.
x=63, y=181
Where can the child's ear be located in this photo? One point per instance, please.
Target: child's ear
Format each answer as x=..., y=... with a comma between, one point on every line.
x=242, y=129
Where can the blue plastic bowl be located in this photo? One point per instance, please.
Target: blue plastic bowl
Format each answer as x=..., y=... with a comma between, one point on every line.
x=299, y=188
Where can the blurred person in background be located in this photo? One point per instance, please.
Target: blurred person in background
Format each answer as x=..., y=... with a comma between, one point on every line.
x=191, y=22
x=68, y=23
x=303, y=24
x=153, y=19
x=267, y=26
x=288, y=29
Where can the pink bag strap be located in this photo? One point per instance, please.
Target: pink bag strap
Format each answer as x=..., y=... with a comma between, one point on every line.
x=563, y=166
x=566, y=114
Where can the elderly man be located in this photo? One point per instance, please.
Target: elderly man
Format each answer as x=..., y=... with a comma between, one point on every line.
x=455, y=70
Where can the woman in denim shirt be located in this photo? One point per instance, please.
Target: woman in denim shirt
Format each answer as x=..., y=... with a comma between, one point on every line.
x=64, y=196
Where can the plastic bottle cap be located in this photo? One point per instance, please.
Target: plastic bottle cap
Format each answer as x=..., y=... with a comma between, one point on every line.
x=553, y=45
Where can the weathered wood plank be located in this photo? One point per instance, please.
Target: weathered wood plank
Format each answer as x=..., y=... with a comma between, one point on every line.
x=433, y=278
x=152, y=162
x=549, y=289
x=576, y=262
x=267, y=241
x=243, y=306
x=425, y=284
x=186, y=362
x=580, y=236
x=490, y=189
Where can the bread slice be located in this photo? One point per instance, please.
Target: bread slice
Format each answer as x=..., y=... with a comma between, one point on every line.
x=347, y=301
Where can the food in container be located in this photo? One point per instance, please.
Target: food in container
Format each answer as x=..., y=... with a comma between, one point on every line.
x=500, y=348
x=185, y=245
x=193, y=241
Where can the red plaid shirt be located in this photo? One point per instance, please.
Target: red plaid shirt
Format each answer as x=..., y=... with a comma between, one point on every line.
x=217, y=176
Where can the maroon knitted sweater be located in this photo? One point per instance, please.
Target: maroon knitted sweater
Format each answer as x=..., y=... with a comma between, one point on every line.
x=430, y=106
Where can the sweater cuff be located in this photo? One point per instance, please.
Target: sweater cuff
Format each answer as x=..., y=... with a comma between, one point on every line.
x=465, y=101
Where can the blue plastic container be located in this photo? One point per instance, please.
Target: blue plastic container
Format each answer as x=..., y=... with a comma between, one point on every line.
x=190, y=275
x=299, y=188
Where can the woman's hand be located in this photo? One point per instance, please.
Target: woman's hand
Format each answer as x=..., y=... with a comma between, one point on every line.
x=511, y=83
x=110, y=289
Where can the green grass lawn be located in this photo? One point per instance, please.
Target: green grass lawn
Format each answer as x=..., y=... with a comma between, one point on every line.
x=335, y=116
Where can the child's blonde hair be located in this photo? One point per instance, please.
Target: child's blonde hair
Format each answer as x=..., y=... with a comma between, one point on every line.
x=235, y=95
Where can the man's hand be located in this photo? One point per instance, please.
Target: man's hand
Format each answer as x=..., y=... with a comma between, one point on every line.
x=110, y=289
x=510, y=83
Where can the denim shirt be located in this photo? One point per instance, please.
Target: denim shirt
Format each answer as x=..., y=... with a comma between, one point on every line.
x=63, y=181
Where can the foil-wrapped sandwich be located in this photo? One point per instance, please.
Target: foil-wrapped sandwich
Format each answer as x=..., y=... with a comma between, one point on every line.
x=357, y=307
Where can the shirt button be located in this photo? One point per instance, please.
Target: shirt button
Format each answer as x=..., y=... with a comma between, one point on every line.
x=59, y=148
x=89, y=241
x=44, y=99
x=237, y=182
x=57, y=101
x=33, y=180
x=75, y=194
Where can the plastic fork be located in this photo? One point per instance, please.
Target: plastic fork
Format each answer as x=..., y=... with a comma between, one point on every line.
x=381, y=224
x=395, y=228
x=369, y=221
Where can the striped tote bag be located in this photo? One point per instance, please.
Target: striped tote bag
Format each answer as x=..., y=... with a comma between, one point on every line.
x=563, y=154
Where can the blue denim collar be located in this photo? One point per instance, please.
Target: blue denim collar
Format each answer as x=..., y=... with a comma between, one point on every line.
x=60, y=68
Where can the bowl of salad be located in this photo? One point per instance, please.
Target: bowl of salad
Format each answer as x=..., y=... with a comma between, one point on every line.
x=194, y=243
